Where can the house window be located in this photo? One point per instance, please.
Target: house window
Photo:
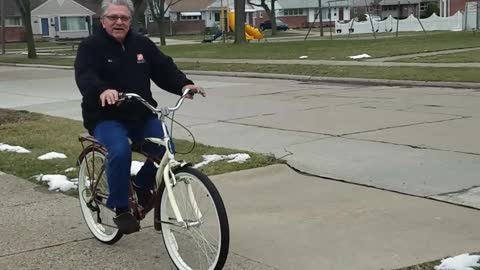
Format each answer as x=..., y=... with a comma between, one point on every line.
x=217, y=16
x=150, y=18
x=12, y=21
x=293, y=12
x=76, y=23
x=423, y=6
x=190, y=18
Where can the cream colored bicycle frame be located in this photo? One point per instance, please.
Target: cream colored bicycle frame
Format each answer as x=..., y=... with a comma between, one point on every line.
x=165, y=173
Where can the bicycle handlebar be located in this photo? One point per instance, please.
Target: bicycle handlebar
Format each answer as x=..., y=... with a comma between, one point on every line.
x=163, y=110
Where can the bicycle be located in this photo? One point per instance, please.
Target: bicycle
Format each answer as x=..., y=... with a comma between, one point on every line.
x=191, y=231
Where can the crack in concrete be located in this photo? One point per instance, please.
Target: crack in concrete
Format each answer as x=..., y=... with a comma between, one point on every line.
x=35, y=202
x=283, y=129
x=44, y=247
x=458, y=192
x=406, y=125
x=428, y=197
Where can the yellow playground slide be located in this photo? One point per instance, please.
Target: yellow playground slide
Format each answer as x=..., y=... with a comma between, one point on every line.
x=250, y=31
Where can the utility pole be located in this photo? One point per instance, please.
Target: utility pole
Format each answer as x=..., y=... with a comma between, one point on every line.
x=320, y=19
x=2, y=9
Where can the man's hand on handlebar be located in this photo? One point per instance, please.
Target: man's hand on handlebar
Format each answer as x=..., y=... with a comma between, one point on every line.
x=193, y=89
x=109, y=97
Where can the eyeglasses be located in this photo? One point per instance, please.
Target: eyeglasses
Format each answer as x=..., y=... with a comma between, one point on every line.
x=114, y=18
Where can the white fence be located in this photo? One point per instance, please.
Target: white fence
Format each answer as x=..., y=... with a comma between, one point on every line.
x=432, y=23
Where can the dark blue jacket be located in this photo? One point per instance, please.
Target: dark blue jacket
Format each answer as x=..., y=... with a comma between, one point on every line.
x=104, y=63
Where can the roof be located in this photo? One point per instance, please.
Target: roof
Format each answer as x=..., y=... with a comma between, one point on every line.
x=217, y=4
x=290, y=4
x=11, y=8
x=287, y=4
x=191, y=5
x=93, y=5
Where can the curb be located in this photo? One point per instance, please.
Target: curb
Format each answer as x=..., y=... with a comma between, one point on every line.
x=358, y=81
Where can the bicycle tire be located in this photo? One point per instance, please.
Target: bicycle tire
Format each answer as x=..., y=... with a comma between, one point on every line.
x=103, y=232
x=174, y=248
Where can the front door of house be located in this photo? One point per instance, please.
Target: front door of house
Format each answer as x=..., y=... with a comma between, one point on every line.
x=45, y=27
x=340, y=14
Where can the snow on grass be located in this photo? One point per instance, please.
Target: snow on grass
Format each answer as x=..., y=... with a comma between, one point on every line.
x=460, y=262
x=240, y=158
x=360, y=56
x=11, y=148
x=52, y=155
x=57, y=182
x=135, y=167
x=71, y=169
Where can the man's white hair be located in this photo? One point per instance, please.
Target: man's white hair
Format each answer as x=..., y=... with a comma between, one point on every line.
x=107, y=3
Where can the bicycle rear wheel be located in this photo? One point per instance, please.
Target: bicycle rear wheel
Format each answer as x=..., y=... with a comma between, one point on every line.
x=203, y=242
x=92, y=181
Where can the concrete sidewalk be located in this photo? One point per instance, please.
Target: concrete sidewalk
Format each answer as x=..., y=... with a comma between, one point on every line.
x=279, y=219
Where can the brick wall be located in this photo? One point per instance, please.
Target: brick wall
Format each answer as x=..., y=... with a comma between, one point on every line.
x=295, y=21
x=456, y=5
x=13, y=34
x=292, y=21
x=178, y=27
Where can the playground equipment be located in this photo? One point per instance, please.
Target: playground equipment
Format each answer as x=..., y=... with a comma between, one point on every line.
x=250, y=31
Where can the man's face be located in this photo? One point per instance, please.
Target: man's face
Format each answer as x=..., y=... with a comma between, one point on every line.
x=116, y=21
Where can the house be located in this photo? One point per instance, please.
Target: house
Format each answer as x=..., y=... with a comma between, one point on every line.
x=194, y=16
x=303, y=13
x=64, y=19
x=14, y=30
x=450, y=7
x=185, y=17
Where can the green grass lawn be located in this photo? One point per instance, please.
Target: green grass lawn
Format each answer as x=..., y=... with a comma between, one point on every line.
x=42, y=134
x=463, y=57
x=328, y=49
x=392, y=73
x=337, y=49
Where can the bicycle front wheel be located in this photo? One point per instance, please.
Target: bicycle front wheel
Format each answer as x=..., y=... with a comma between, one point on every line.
x=202, y=241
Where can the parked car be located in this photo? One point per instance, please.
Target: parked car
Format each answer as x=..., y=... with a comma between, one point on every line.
x=374, y=17
x=268, y=25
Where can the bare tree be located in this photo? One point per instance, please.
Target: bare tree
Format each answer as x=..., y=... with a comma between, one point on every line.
x=138, y=15
x=158, y=10
x=240, y=22
x=270, y=11
x=24, y=7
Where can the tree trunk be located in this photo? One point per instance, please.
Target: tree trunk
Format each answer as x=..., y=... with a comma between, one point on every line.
x=273, y=19
x=161, y=24
x=270, y=13
x=240, y=22
x=24, y=7
x=138, y=21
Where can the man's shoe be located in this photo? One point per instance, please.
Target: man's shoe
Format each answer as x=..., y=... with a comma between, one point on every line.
x=126, y=223
x=145, y=198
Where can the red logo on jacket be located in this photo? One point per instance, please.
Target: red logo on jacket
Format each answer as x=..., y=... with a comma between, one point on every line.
x=140, y=58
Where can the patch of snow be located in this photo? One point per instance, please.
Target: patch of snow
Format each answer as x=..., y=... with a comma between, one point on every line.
x=360, y=56
x=57, y=182
x=231, y=158
x=52, y=155
x=460, y=262
x=135, y=167
x=10, y=148
x=240, y=158
x=71, y=169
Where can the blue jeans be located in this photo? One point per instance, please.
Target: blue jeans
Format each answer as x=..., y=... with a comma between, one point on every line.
x=114, y=136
